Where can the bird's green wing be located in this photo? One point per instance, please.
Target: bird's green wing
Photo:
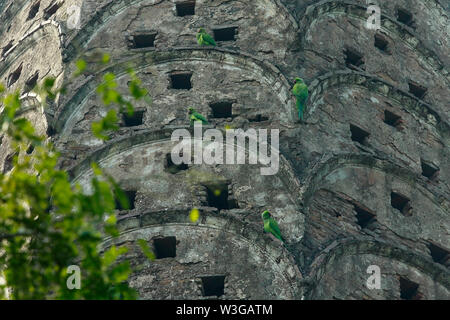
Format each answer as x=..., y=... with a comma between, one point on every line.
x=198, y=116
x=275, y=228
x=208, y=39
x=303, y=94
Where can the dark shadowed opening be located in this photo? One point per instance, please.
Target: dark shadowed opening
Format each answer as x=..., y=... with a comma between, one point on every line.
x=7, y=47
x=8, y=164
x=135, y=120
x=381, y=43
x=404, y=17
x=181, y=81
x=31, y=82
x=144, y=40
x=185, y=8
x=353, y=58
x=408, y=289
x=222, y=109
x=429, y=170
x=391, y=119
x=131, y=197
x=439, y=255
x=225, y=34
x=217, y=197
x=359, y=135
x=173, y=168
x=213, y=286
x=417, y=90
x=51, y=9
x=401, y=203
x=165, y=247
x=364, y=217
x=34, y=10
x=13, y=77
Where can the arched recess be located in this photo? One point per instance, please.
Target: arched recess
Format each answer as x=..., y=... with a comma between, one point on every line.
x=379, y=86
x=140, y=163
x=200, y=62
x=347, y=261
x=274, y=12
x=388, y=25
x=217, y=244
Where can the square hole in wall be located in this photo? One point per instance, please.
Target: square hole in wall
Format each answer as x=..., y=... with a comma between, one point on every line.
x=181, y=80
x=439, y=255
x=186, y=8
x=173, y=168
x=13, y=77
x=165, y=247
x=134, y=120
x=144, y=40
x=429, y=170
x=225, y=34
x=31, y=82
x=218, y=197
x=409, y=290
x=34, y=10
x=401, y=203
x=363, y=216
x=213, y=286
x=392, y=119
x=404, y=17
x=353, y=58
x=51, y=9
x=131, y=197
x=9, y=163
x=7, y=47
x=222, y=109
x=258, y=118
x=381, y=43
x=417, y=90
x=359, y=135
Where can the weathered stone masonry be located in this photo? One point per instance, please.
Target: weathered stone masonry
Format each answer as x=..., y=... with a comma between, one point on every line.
x=363, y=181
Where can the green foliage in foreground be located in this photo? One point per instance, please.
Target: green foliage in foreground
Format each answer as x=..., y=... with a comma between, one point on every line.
x=48, y=224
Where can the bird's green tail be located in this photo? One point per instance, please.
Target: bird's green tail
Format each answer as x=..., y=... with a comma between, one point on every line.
x=300, y=108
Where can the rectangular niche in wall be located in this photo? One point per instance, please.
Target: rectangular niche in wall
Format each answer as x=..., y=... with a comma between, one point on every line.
x=429, y=170
x=165, y=247
x=131, y=197
x=134, y=120
x=225, y=34
x=51, y=9
x=392, y=119
x=31, y=82
x=417, y=90
x=213, y=286
x=173, y=168
x=409, y=290
x=222, y=109
x=363, y=216
x=218, y=196
x=185, y=8
x=405, y=17
x=7, y=47
x=439, y=255
x=359, y=135
x=13, y=77
x=142, y=40
x=401, y=203
x=353, y=59
x=381, y=43
x=181, y=80
x=9, y=163
x=33, y=10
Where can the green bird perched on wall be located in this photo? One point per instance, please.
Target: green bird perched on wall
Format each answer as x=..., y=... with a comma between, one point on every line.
x=195, y=116
x=300, y=91
x=205, y=39
x=270, y=225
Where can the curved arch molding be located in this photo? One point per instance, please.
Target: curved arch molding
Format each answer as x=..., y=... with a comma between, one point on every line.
x=112, y=9
x=388, y=24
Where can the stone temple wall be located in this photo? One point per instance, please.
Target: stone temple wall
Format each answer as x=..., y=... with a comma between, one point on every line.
x=364, y=180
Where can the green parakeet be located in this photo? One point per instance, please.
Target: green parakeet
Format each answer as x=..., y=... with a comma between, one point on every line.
x=195, y=116
x=205, y=39
x=300, y=91
x=270, y=225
